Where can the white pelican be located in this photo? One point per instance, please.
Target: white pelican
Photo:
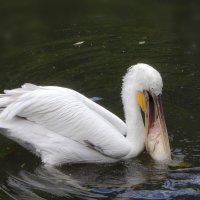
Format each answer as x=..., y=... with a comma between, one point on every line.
x=62, y=125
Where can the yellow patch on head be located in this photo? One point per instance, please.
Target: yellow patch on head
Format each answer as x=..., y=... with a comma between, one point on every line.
x=141, y=100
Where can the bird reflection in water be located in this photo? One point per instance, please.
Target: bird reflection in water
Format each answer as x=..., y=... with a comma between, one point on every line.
x=85, y=181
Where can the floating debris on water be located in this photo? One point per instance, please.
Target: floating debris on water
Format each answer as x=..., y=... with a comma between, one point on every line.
x=95, y=99
x=78, y=43
x=142, y=42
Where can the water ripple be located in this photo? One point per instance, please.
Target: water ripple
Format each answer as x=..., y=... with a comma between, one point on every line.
x=158, y=194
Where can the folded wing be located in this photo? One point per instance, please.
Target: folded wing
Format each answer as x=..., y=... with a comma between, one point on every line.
x=69, y=114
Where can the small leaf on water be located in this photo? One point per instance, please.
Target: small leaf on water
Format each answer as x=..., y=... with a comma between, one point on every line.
x=78, y=43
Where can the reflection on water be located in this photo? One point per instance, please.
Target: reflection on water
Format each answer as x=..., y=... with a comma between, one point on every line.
x=42, y=182
x=123, y=180
x=37, y=45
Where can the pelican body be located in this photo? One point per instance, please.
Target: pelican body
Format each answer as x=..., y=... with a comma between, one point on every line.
x=63, y=126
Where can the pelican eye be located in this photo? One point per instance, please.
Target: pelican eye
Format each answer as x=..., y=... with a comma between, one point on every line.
x=141, y=100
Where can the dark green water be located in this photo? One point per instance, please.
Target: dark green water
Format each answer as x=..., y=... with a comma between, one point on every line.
x=37, y=46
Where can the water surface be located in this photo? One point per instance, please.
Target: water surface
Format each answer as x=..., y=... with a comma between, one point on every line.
x=37, y=45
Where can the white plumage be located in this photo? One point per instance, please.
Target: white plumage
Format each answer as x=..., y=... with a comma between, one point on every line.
x=61, y=125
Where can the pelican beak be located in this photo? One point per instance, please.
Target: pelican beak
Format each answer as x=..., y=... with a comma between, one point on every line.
x=157, y=141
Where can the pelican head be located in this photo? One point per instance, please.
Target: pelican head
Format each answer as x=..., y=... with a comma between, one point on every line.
x=148, y=87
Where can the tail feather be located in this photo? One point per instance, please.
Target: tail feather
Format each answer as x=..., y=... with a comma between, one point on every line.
x=5, y=101
x=11, y=96
x=24, y=88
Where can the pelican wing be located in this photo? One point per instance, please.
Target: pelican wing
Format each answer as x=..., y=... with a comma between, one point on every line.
x=69, y=114
x=104, y=113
